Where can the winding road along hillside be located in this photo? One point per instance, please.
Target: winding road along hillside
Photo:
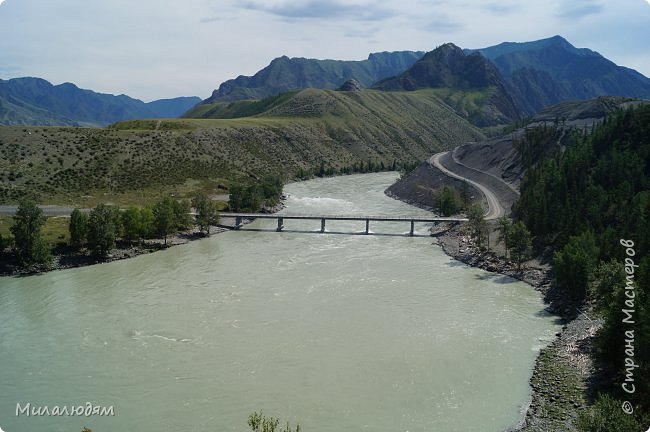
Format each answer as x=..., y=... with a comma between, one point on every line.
x=500, y=196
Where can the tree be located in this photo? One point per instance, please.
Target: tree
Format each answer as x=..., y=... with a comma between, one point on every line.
x=78, y=228
x=608, y=280
x=164, y=217
x=5, y=242
x=478, y=227
x=235, y=199
x=575, y=264
x=132, y=224
x=182, y=213
x=147, y=223
x=449, y=201
x=102, y=229
x=504, y=227
x=206, y=212
x=272, y=189
x=252, y=198
x=26, y=229
x=521, y=243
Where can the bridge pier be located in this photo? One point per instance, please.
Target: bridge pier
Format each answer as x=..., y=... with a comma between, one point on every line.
x=280, y=224
x=322, y=225
x=412, y=228
x=367, y=226
x=238, y=222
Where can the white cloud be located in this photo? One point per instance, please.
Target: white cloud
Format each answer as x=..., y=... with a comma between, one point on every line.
x=163, y=48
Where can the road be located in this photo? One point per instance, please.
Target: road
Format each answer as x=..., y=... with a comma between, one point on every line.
x=495, y=208
x=48, y=210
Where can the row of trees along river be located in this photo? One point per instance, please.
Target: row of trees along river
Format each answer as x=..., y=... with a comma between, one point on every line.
x=99, y=229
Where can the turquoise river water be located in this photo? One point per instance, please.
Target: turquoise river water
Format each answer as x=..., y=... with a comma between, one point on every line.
x=340, y=332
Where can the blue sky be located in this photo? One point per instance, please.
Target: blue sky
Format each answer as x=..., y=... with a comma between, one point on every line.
x=157, y=49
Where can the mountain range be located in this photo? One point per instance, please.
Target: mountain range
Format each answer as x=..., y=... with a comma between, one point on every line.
x=490, y=86
x=35, y=101
x=286, y=74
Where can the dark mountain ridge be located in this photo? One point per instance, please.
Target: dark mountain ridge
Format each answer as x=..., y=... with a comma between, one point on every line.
x=446, y=66
x=286, y=74
x=35, y=101
x=552, y=70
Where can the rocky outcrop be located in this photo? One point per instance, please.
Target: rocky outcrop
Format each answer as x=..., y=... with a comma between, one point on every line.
x=351, y=85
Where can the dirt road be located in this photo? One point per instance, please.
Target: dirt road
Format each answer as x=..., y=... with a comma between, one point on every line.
x=499, y=195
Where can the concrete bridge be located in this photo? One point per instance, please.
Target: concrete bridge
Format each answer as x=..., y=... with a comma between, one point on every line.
x=239, y=217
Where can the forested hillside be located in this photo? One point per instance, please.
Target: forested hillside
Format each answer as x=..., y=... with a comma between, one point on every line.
x=591, y=203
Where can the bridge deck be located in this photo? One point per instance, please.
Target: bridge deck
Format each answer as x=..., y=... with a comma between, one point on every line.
x=343, y=217
x=323, y=218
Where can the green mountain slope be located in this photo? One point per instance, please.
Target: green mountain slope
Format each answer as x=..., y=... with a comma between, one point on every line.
x=285, y=74
x=417, y=119
x=305, y=131
x=34, y=101
x=470, y=82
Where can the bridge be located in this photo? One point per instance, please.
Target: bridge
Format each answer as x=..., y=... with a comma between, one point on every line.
x=240, y=217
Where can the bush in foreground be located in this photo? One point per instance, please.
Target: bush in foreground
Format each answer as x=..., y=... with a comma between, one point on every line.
x=258, y=422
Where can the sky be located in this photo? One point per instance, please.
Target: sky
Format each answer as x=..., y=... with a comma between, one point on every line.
x=153, y=49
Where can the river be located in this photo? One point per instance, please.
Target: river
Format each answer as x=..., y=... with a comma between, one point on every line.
x=339, y=332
